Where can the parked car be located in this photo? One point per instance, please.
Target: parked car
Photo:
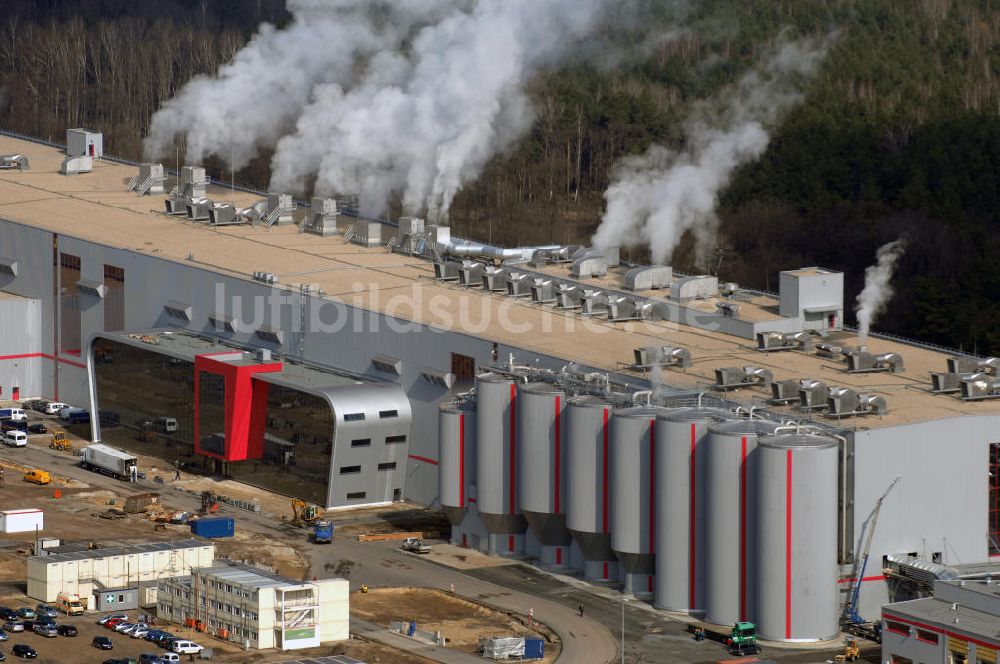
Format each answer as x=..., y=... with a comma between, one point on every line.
x=154, y=634
x=37, y=427
x=150, y=658
x=170, y=658
x=11, y=425
x=134, y=628
x=4, y=635
x=46, y=610
x=66, y=630
x=103, y=620
x=186, y=647
x=140, y=633
x=14, y=626
x=114, y=622
x=24, y=651
x=54, y=407
x=45, y=629
x=26, y=612
x=165, y=640
x=123, y=626
x=102, y=642
x=8, y=613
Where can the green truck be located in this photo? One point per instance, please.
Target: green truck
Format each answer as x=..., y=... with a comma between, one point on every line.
x=743, y=639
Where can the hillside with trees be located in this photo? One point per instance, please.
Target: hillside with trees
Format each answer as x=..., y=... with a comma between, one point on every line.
x=899, y=133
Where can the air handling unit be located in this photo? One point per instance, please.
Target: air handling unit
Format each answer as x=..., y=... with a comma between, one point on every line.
x=776, y=341
x=731, y=378
x=661, y=356
x=864, y=362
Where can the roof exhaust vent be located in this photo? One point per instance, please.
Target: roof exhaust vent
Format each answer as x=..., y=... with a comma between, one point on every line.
x=649, y=277
x=812, y=394
x=495, y=279
x=265, y=278
x=568, y=296
x=14, y=161
x=731, y=378
x=979, y=387
x=76, y=165
x=727, y=309
x=149, y=180
x=322, y=219
x=518, y=284
x=864, y=362
x=446, y=270
x=784, y=392
x=777, y=341
x=590, y=265
x=844, y=402
x=470, y=274
x=593, y=302
x=661, y=356
x=543, y=291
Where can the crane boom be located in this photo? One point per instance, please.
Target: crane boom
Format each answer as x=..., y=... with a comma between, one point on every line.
x=851, y=614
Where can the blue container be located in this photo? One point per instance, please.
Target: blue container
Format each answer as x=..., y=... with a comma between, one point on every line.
x=217, y=526
x=534, y=648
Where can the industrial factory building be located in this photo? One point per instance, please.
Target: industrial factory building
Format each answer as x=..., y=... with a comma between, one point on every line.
x=711, y=449
x=257, y=608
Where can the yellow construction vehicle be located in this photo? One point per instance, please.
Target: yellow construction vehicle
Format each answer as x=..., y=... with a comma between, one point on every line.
x=852, y=651
x=303, y=514
x=60, y=441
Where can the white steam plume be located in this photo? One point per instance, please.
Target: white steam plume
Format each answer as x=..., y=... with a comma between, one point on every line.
x=656, y=197
x=254, y=100
x=424, y=122
x=877, y=291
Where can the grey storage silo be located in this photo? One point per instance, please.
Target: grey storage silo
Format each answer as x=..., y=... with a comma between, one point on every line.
x=542, y=468
x=633, y=496
x=730, y=519
x=496, y=463
x=679, y=509
x=796, y=539
x=588, y=496
x=457, y=454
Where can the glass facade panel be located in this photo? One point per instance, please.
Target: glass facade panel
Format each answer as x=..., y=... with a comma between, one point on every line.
x=144, y=401
x=298, y=441
x=212, y=413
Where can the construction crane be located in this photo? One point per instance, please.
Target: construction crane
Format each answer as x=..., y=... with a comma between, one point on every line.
x=303, y=514
x=851, y=615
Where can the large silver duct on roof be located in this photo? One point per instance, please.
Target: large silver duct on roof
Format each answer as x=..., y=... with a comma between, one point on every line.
x=467, y=249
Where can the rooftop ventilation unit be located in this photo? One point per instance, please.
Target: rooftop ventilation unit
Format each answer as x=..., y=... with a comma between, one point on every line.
x=784, y=392
x=279, y=210
x=223, y=214
x=265, y=278
x=175, y=205
x=518, y=284
x=649, y=277
x=179, y=310
x=845, y=402
x=622, y=308
x=568, y=297
x=367, y=233
x=8, y=266
x=593, y=302
x=495, y=279
x=661, y=356
x=776, y=341
x=221, y=321
x=198, y=208
x=270, y=334
x=731, y=378
x=322, y=219
x=95, y=288
x=388, y=364
x=690, y=288
x=545, y=256
x=446, y=270
x=590, y=265
x=864, y=362
x=965, y=364
x=443, y=379
x=149, y=180
x=950, y=382
x=812, y=394
x=14, y=161
x=727, y=309
x=543, y=291
x=76, y=165
x=834, y=352
x=979, y=387
x=470, y=274
x=193, y=182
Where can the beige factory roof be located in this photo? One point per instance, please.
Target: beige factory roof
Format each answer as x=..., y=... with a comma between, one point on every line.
x=98, y=207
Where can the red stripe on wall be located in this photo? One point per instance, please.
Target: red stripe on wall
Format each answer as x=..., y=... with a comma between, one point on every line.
x=652, y=489
x=788, y=544
x=510, y=542
x=557, y=452
x=558, y=554
x=649, y=583
x=605, y=569
x=423, y=459
x=863, y=580
x=604, y=496
x=23, y=356
x=994, y=645
x=461, y=460
x=512, y=468
x=743, y=528
x=692, y=527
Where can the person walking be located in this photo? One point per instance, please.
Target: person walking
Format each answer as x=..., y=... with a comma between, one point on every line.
x=581, y=610
x=1, y=475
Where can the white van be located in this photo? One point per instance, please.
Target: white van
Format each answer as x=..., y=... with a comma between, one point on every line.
x=54, y=407
x=170, y=657
x=13, y=414
x=166, y=424
x=15, y=438
x=186, y=647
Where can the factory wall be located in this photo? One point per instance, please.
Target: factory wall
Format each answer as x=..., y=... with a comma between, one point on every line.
x=940, y=505
x=21, y=360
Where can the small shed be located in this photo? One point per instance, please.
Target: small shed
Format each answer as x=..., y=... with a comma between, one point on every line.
x=84, y=143
x=116, y=599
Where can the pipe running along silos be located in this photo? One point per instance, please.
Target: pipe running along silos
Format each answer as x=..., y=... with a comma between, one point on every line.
x=457, y=454
x=796, y=539
x=588, y=497
x=496, y=463
x=633, y=496
x=542, y=468
x=730, y=519
x=679, y=507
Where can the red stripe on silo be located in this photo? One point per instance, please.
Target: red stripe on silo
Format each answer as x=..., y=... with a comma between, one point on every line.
x=692, y=528
x=652, y=489
x=557, y=452
x=512, y=470
x=743, y=528
x=461, y=460
x=788, y=544
x=649, y=583
x=605, y=570
x=510, y=542
x=558, y=554
x=604, y=497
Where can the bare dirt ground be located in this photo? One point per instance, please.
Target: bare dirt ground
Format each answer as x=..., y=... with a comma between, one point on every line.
x=462, y=622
